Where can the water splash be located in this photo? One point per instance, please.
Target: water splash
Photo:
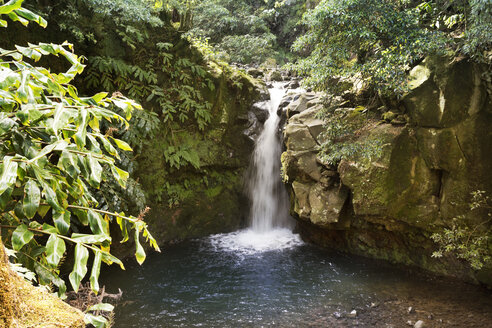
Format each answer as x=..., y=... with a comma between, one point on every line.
x=249, y=242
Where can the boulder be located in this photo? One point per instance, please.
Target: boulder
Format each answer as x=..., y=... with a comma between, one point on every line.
x=326, y=204
x=297, y=137
x=303, y=102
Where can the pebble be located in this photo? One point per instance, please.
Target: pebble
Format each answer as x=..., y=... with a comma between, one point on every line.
x=410, y=323
x=352, y=314
x=337, y=315
x=419, y=324
x=373, y=305
x=410, y=310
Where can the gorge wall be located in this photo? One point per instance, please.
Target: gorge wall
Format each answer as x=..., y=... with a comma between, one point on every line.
x=399, y=179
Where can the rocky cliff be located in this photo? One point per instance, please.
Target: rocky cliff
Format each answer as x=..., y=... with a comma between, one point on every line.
x=392, y=176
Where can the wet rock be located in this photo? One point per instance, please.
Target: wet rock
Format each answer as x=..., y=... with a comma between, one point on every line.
x=253, y=128
x=260, y=109
x=428, y=158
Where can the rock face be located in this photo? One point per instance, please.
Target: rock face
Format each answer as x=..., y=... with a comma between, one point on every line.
x=387, y=205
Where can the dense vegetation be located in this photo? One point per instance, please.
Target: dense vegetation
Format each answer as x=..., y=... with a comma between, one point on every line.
x=379, y=41
x=63, y=183
x=247, y=31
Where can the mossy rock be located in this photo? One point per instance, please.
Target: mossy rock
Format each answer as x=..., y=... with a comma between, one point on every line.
x=444, y=92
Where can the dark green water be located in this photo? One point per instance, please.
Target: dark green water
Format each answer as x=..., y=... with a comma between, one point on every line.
x=215, y=283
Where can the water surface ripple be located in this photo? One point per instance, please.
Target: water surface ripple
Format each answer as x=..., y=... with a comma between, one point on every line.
x=210, y=283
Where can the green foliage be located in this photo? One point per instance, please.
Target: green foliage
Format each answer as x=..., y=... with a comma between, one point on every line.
x=53, y=152
x=341, y=137
x=248, y=48
x=181, y=101
x=478, y=37
x=468, y=243
x=246, y=31
x=382, y=40
x=378, y=39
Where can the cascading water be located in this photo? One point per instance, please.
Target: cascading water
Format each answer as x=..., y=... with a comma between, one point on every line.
x=269, y=208
x=271, y=224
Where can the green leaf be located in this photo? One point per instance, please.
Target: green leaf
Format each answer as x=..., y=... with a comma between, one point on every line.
x=27, y=14
x=61, y=117
x=68, y=164
x=110, y=259
x=88, y=239
x=5, y=198
x=96, y=269
x=80, y=266
x=3, y=23
x=57, y=145
x=120, y=175
x=61, y=221
x=122, y=145
x=96, y=172
x=97, y=321
x=106, y=307
x=55, y=248
x=123, y=227
x=99, y=97
x=140, y=253
x=15, y=18
x=10, y=6
x=97, y=223
x=6, y=124
x=48, y=277
x=32, y=198
x=9, y=173
x=21, y=236
x=51, y=198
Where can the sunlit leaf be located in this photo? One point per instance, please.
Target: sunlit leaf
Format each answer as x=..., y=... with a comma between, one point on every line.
x=80, y=266
x=55, y=248
x=21, y=236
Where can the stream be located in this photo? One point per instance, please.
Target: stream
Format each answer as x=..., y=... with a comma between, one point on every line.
x=266, y=276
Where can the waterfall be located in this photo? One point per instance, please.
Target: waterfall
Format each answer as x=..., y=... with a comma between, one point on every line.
x=270, y=223
x=269, y=200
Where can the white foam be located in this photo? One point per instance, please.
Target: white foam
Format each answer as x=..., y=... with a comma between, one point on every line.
x=250, y=242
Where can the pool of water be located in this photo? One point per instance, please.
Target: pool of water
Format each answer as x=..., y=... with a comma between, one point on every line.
x=242, y=280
